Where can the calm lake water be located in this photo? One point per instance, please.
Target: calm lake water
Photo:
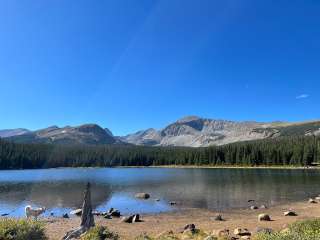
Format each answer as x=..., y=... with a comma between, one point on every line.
x=61, y=190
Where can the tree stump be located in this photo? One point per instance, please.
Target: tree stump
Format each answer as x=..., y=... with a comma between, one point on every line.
x=87, y=219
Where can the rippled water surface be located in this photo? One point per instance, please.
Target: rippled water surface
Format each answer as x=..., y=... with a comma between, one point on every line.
x=61, y=190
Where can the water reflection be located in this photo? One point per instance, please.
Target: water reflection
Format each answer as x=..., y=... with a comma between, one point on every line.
x=61, y=189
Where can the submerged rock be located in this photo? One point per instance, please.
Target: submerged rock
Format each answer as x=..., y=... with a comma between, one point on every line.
x=65, y=215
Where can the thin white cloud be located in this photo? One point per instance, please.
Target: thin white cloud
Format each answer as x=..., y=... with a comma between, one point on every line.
x=302, y=96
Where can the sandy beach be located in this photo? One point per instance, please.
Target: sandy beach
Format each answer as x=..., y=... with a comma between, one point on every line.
x=158, y=223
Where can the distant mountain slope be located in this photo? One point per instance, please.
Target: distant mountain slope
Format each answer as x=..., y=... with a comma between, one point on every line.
x=200, y=132
x=191, y=131
x=84, y=134
x=12, y=132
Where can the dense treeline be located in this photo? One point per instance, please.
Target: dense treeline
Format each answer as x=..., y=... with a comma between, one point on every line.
x=300, y=151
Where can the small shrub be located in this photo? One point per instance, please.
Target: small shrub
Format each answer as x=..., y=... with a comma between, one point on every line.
x=304, y=230
x=23, y=229
x=99, y=233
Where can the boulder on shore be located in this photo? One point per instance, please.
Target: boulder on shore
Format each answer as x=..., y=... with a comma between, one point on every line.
x=76, y=212
x=241, y=232
x=143, y=195
x=217, y=218
x=264, y=217
x=189, y=228
x=263, y=230
x=131, y=219
x=290, y=213
x=311, y=200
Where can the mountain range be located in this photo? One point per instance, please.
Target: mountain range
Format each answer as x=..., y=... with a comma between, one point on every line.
x=191, y=131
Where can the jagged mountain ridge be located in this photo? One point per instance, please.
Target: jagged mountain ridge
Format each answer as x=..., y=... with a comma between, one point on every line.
x=13, y=132
x=91, y=134
x=190, y=131
x=194, y=131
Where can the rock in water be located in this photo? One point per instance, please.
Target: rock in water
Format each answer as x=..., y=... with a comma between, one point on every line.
x=254, y=207
x=65, y=215
x=143, y=195
x=264, y=217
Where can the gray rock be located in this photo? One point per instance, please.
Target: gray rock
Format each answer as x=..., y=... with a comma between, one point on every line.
x=264, y=217
x=217, y=218
x=189, y=228
x=289, y=213
x=264, y=230
x=254, y=208
x=76, y=212
x=241, y=232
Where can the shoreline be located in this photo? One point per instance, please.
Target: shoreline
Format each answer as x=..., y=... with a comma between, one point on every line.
x=285, y=167
x=155, y=224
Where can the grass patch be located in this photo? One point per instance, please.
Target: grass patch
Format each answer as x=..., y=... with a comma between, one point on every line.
x=22, y=229
x=99, y=233
x=303, y=230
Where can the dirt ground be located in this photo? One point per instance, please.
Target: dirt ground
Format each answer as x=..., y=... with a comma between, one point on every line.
x=155, y=224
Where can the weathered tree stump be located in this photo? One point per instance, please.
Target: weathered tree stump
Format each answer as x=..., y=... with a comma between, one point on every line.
x=87, y=219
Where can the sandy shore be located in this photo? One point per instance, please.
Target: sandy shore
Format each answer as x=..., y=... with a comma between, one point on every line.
x=155, y=224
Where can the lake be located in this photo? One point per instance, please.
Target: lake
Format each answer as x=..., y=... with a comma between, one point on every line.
x=61, y=190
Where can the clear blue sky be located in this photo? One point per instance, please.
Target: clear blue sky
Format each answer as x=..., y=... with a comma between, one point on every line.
x=130, y=65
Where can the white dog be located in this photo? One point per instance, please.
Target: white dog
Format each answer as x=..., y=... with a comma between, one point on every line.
x=34, y=212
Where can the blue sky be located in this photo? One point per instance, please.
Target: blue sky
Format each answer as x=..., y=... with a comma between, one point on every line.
x=130, y=65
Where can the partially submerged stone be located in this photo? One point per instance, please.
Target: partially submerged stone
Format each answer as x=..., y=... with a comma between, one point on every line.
x=143, y=195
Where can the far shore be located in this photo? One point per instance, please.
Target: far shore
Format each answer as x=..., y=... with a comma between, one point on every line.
x=158, y=223
x=293, y=167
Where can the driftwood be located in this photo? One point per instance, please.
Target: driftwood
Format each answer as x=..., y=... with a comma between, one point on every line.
x=87, y=219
